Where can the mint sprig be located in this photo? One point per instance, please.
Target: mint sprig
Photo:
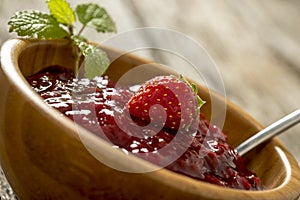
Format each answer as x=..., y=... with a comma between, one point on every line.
x=59, y=23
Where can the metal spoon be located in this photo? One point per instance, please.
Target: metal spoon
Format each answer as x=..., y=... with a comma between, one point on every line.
x=270, y=131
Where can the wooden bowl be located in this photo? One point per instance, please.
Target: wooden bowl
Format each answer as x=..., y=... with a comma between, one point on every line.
x=43, y=156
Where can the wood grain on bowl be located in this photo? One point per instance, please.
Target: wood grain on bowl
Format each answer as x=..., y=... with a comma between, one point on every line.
x=43, y=156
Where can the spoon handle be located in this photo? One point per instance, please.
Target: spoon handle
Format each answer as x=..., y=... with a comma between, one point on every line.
x=269, y=132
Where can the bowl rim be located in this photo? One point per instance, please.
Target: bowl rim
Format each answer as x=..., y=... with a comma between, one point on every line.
x=12, y=49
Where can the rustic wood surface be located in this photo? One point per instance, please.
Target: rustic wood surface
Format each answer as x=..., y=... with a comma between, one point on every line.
x=255, y=45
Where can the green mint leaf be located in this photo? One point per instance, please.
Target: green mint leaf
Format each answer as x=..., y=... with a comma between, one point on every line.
x=96, y=61
x=36, y=24
x=62, y=11
x=96, y=17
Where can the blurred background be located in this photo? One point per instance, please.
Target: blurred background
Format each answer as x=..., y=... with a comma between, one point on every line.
x=255, y=45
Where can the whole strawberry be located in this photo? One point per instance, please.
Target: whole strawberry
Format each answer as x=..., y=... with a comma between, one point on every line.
x=165, y=101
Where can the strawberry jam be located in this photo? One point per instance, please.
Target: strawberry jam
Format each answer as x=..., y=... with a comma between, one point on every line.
x=99, y=106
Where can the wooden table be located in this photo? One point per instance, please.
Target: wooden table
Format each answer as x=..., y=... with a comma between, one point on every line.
x=254, y=44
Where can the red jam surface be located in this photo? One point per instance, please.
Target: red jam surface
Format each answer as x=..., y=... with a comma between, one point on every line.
x=98, y=105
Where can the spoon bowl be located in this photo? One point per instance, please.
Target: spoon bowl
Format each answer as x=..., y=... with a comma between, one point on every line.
x=43, y=156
